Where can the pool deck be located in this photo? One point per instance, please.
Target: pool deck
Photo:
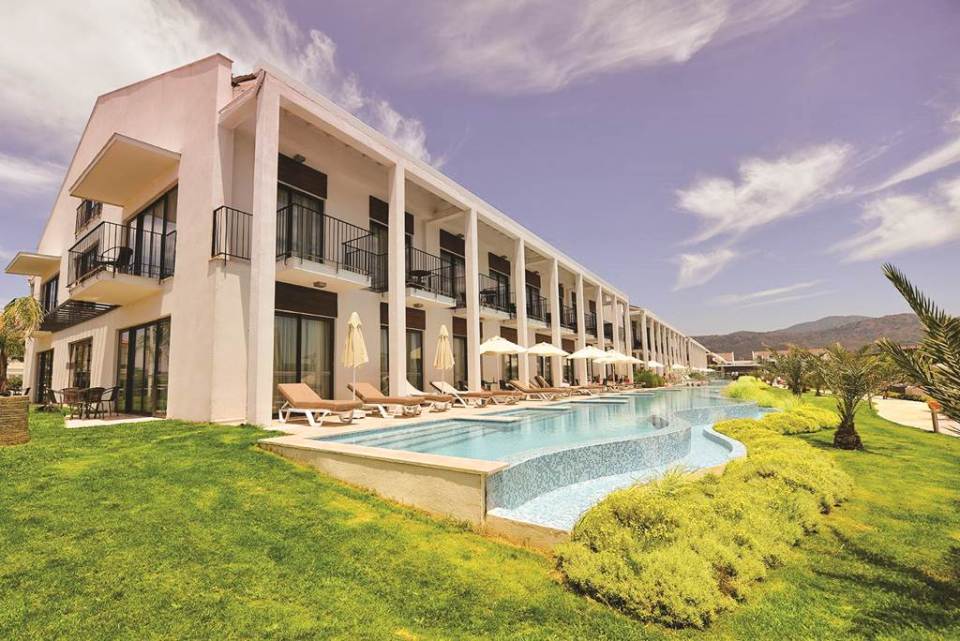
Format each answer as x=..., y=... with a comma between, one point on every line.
x=913, y=414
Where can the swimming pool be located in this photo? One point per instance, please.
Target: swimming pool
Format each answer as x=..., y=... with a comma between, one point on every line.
x=511, y=435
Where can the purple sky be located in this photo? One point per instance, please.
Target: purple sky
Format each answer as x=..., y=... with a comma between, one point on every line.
x=731, y=165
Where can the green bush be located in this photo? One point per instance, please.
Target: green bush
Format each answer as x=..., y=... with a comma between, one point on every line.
x=648, y=378
x=748, y=388
x=679, y=551
x=796, y=416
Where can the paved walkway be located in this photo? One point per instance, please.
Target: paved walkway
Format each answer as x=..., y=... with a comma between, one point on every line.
x=913, y=414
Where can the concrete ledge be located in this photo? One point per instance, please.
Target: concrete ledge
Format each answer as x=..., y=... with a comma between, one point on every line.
x=530, y=535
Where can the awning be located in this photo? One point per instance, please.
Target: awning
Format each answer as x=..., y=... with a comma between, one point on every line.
x=70, y=313
x=122, y=169
x=31, y=264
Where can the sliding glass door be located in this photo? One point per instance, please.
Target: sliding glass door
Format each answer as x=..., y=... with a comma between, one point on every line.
x=303, y=353
x=143, y=366
x=44, y=375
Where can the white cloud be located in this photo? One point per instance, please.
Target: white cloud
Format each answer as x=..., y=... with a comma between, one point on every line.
x=787, y=299
x=766, y=294
x=517, y=46
x=698, y=269
x=940, y=158
x=768, y=190
x=58, y=56
x=24, y=176
x=904, y=222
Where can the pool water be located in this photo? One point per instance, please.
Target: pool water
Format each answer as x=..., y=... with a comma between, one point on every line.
x=532, y=429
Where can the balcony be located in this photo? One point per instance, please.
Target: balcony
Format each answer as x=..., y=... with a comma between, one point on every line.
x=314, y=247
x=231, y=234
x=494, y=299
x=590, y=321
x=118, y=264
x=430, y=281
x=537, y=311
x=87, y=212
x=568, y=320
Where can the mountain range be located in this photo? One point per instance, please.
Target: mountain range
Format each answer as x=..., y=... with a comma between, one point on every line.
x=849, y=331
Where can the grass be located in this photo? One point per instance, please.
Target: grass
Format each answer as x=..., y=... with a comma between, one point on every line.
x=175, y=530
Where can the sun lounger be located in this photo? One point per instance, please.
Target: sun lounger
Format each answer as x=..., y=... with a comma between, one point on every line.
x=373, y=399
x=583, y=390
x=536, y=393
x=436, y=402
x=299, y=398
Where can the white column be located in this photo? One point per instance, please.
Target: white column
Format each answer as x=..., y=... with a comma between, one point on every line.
x=601, y=337
x=581, y=364
x=263, y=256
x=615, y=318
x=520, y=294
x=553, y=288
x=472, y=274
x=396, y=279
x=658, y=341
x=643, y=337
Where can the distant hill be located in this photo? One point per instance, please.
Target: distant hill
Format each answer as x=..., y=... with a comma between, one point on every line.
x=849, y=331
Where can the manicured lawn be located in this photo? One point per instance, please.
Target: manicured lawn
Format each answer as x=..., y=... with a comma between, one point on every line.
x=179, y=531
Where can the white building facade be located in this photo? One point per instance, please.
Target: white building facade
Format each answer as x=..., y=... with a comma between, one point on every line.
x=214, y=232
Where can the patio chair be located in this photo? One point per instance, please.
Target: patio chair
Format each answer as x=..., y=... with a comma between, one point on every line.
x=570, y=390
x=535, y=393
x=72, y=397
x=373, y=399
x=93, y=401
x=109, y=400
x=436, y=402
x=461, y=398
x=299, y=398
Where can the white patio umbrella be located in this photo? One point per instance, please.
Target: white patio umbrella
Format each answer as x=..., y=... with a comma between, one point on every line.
x=355, y=350
x=589, y=352
x=500, y=345
x=546, y=349
x=654, y=364
x=678, y=366
x=443, y=360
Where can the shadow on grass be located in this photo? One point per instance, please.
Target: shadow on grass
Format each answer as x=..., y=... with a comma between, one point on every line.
x=916, y=596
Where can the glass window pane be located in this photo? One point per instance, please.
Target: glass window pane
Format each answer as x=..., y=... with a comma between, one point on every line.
x=415, y=358
x=316, y=355
x=284, y=354
x=384, y=361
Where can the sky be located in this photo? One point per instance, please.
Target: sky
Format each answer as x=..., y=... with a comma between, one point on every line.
x=731, y=165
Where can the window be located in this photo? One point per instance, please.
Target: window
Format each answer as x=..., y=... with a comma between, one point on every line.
x=300, y=224
x=544, y=368
x=81, y=353
x=511, y=367
x=153, y=236
x=303, y=353
x=502, y=288
x=143, y=368
x=415, y=358
x=48, y=294
x=568, y=373
x=534, y=303
x=459, y=346
x=44, y=375
x=454, y=273
x=385, y=360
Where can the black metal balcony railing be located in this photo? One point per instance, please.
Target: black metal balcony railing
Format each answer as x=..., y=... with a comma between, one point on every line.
x=537, y=307
x=608, y=331
x=315, y=236
x=568, y=316
x=87, y=211
x=430, y=273
x=493, y=294
x=122, y=249
x=231, y=233
x=590, y=321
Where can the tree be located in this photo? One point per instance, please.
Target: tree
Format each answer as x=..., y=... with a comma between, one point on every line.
x=935, y=365
x=20, y=318
x=852, y=376
x=794, y=366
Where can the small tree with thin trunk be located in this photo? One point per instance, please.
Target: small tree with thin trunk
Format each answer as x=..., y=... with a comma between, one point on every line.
x=852, y=376
x=793, y=366
x=20, y=318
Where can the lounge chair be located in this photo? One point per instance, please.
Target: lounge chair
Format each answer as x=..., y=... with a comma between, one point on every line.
x=373, y=399
x=536, y=393
x=299, y=398
x=481, y=398
x=583, y=390
x=436, y=402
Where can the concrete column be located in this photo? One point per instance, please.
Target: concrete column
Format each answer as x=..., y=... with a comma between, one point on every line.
x=628, y=339
x=472, y=274
x=581, y=364
x=554, y=294
x=396, y=278
x=643, y=338
x=615, y=321
x=601, y=338
x=263, y=256
x=520, y=294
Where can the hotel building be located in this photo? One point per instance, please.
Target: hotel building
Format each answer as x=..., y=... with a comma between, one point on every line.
x=214, y=232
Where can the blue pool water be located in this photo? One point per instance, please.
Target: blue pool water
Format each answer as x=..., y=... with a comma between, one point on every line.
x=538, y=428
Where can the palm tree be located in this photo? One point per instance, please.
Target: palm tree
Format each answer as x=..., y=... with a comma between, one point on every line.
x=935, y=365
x=793, y=366
x=20, y=318
x=852, y=376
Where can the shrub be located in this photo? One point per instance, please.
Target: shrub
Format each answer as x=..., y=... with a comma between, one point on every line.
x=648, y=378
x=748, y=388
x=679, y=551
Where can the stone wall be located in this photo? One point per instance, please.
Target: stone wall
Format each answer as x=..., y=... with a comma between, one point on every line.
x=13, y=420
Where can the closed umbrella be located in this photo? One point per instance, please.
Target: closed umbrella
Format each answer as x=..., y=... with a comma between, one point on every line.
x=355, y=350
x=444, y=358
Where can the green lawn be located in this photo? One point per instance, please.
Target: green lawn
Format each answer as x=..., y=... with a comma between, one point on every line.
x=178, y=531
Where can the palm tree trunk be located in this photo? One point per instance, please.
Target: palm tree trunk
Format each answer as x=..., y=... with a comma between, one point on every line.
x=846, y=437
